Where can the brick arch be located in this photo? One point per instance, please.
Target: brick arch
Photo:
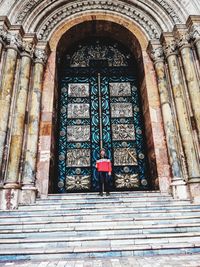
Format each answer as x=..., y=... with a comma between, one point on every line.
x=157, y=151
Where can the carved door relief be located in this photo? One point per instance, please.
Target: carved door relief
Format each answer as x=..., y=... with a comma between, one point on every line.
x=100, y=107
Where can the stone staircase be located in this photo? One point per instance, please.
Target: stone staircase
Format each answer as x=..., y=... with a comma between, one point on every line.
x=87, y=225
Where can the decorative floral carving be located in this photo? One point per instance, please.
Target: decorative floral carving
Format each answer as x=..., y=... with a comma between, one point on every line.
x=28, y=47
x=195, y=32
x=3, y=35
x=157, y=53
x=78, y=182
x=152, y=29
x=126, y=181
x=14, y=40
x=170, y=47
x=40, y=55
x=182, y=39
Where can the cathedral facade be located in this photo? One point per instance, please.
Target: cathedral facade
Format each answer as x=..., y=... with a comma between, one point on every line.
x=77, y=76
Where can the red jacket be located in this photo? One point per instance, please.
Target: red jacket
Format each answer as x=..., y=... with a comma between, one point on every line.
x=104, y=165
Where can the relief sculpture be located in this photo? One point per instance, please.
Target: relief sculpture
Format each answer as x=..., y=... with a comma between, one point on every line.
x=125, y=156
x=78, y=90
x=123, y=132
x=119, y=110
x=126, y=181
x=78, y=158
x=79, y=133
x=78, y=182
x=120, y=89
x=78, y=111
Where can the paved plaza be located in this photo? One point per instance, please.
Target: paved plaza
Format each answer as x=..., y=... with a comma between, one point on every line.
x=155, y=261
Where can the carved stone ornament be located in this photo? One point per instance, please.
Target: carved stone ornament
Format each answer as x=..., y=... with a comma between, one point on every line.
x=14, y=40
x=28, y=48
x=195, y=32
x=182, y=39
x=40, y=56
x=152, y=28
x=170, y=47
x=157, y=54
x=3, y=35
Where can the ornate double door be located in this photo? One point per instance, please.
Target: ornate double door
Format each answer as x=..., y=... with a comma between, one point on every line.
x=100, y=109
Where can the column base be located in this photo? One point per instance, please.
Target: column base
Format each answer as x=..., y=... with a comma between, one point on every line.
x=9, y=198
x=27, y=195
x=194, y=187
x=180, y=189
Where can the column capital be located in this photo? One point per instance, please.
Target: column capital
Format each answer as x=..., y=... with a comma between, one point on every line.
x=182, y=36
x=195, y=32
x=169, y=44
x=155, y=51
x=14, y=37
x=42, y=52
x=4, y=26
x=28, y=45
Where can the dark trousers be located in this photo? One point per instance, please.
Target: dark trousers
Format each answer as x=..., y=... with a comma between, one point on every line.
x=104, y=182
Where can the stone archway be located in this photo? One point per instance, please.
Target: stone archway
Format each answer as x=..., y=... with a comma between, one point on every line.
x=133, y=38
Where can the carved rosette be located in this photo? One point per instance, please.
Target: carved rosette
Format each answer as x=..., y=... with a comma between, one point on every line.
x=195, y=32
x=40, y=56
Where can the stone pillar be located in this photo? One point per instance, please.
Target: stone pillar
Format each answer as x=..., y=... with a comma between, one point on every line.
x=179, y=187
x=16, y=143
x=28, y=193
x=6, y=90
x=183, y=119
x=190, y=72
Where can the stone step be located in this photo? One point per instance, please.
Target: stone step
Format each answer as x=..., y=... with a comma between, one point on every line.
x=17, y=219
x=100, y=224
x=105, y=241
x=96, y=205
x=116, y=228
x=84, y=252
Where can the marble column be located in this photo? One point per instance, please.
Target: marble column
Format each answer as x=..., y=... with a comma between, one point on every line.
x=190, y=73
x=16, y=142
x=178, y=185
x=182, y=114
x=6, y=90
x=28, y=178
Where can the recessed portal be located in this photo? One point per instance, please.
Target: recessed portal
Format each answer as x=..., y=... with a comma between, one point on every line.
x=99, y=106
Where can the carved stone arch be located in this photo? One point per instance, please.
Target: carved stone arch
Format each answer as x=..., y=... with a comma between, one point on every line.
x=153, y=17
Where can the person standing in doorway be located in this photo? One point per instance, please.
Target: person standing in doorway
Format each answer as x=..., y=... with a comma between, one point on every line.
x=104, y=169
